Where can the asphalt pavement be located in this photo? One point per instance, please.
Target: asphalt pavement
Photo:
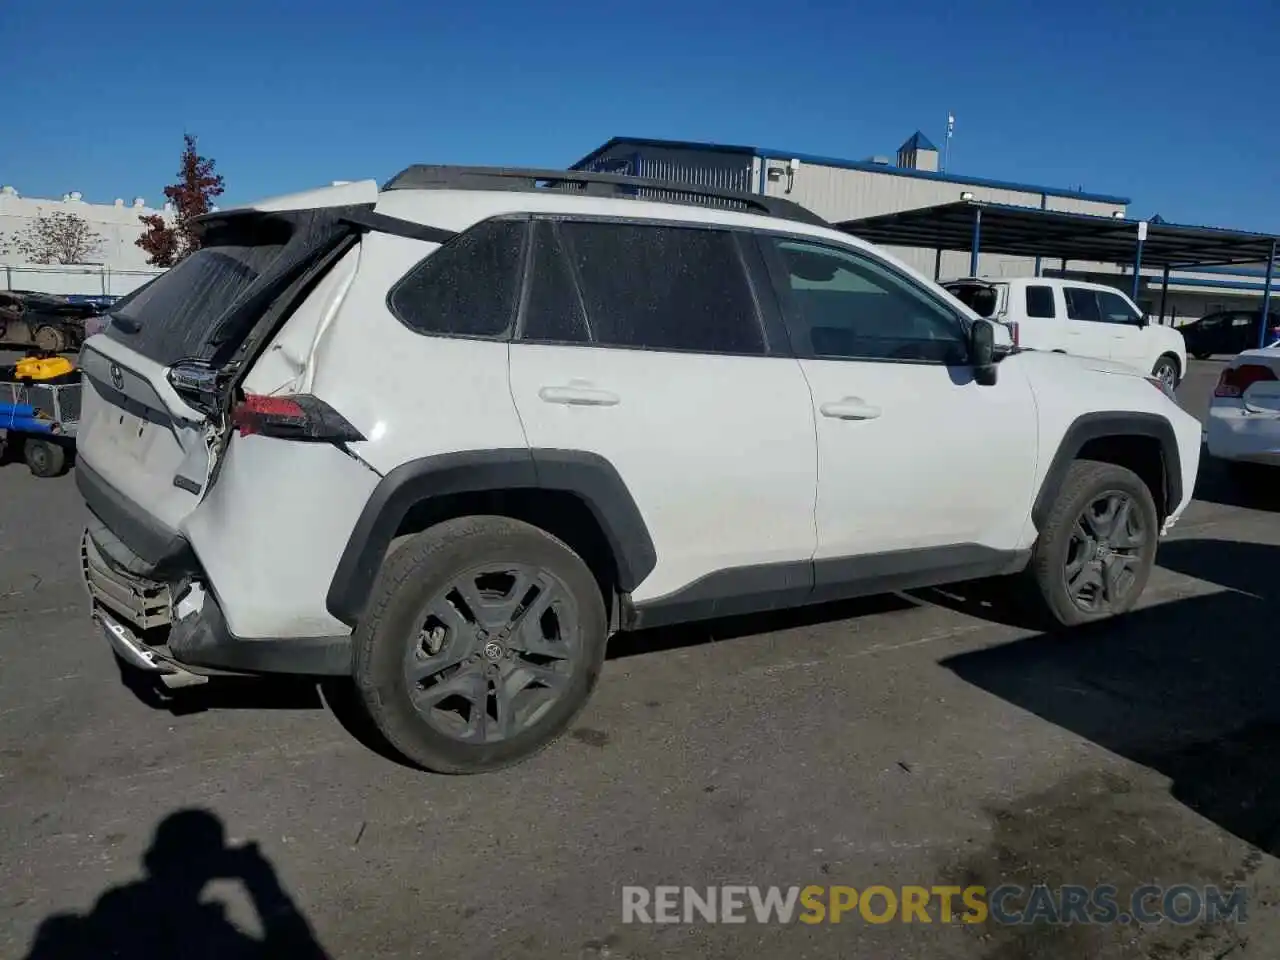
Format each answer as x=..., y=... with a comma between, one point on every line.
x=906, y=740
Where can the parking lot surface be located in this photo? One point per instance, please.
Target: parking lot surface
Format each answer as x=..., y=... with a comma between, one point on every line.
x=915, y=740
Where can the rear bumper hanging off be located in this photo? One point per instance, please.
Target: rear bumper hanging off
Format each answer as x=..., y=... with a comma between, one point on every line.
x=179, y=630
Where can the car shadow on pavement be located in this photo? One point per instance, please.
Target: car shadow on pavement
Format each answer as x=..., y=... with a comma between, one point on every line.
x=693, y=634
x=166, y=915
x=1256, y=488
x=1186, y=688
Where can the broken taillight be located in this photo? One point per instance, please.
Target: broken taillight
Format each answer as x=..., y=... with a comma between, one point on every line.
x=294, y=417
x=1234, y=381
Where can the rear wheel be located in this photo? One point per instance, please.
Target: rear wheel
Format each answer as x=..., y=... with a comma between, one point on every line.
x=45, y=458
x=483, y=639
x=1202, y=356
x=1098, y=545
x=1167, y=372
x=50, y=340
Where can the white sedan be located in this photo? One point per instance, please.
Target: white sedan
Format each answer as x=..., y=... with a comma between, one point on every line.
x=1244, y=415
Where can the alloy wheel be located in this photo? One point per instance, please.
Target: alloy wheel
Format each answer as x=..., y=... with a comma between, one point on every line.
x=1105, y=552
x=496, y=649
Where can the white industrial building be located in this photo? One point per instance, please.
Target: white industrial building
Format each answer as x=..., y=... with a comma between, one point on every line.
x=115, y=266
x=840, y=190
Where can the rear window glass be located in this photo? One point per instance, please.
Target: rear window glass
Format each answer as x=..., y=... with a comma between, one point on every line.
x=664, y=288
x=1040, y=301
x=173, y=316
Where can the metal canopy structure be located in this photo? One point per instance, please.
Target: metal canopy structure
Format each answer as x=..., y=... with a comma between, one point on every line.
x=979, y=226
x=1031, y=232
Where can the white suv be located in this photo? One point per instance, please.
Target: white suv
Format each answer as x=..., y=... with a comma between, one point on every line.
x=447, y=437
x=1072, y=316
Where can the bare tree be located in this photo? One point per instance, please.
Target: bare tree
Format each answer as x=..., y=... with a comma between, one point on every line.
x=55, y=238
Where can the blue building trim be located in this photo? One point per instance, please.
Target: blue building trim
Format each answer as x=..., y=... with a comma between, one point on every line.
x=943, y=177
x=1230, y=271
x=765, y=153
x=1214, y=284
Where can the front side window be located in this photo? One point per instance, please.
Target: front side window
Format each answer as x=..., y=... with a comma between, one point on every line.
x=1082, y=304
x=1115, y=308
x=662, y=287
x=468, y=287
x=1040, y=302
x=844, y=305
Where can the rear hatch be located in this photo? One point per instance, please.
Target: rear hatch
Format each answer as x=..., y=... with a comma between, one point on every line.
x=158, y=380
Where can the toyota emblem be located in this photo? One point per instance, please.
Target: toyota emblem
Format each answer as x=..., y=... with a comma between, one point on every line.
x=117, y=376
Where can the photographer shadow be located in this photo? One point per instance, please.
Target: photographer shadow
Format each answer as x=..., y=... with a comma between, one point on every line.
x=1187, y=688
x=163, y=916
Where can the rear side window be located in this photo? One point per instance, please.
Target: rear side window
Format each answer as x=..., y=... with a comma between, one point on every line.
x=1082, y=304
x=468, y=287
x=1040, y=302
x=175, y=315
x=663, y=288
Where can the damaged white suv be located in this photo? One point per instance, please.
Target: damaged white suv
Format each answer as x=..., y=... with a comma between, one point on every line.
x=446, y=437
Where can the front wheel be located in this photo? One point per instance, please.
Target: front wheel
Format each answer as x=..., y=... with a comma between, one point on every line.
x=1098, y=544
x=1166, y=371
x=482, y=640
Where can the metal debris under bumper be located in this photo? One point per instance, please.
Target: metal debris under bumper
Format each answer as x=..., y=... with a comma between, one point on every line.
x=143, y=603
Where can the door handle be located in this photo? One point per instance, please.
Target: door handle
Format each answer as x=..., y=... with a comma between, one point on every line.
x=579, y=396
x=850, y=408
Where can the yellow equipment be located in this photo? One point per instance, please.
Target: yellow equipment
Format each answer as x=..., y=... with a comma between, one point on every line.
x=42, y=368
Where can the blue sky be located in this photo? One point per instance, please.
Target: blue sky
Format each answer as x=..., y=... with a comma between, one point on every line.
x=1165, y=107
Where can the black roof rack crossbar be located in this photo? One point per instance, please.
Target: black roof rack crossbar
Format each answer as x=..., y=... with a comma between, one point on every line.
x=434, y=177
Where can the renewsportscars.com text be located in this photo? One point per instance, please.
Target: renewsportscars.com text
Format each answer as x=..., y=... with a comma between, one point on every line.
x=878, y=904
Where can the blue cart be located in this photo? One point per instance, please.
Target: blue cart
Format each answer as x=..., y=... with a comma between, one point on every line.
x=43, y=418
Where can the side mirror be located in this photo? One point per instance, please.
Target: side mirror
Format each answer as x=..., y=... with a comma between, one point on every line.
x=982, y=351
x=1144, y=320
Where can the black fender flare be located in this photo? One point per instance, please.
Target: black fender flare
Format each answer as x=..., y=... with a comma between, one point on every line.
x=1117, y=423
x=590, y=477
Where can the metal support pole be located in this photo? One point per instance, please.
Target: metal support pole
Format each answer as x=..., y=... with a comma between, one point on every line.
x=1044, y=204
x=977, y=241
x=1137, y=269
x=1164, y=294
x=1266, y=298
x=937, y=264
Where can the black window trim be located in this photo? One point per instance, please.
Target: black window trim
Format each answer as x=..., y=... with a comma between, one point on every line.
x=522, y=259
x=774, y=342
x=781, y=284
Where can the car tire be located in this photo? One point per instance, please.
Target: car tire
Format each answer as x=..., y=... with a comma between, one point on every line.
x=1166, y=370
x=434, y=635
x=44, y=458
x=50, y=339
x=1202, y=356
x=1075, y=549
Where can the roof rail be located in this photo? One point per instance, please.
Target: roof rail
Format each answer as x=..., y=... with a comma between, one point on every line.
x=422, y=176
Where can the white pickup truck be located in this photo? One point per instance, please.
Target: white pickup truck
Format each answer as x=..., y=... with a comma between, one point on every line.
x=1076, y=317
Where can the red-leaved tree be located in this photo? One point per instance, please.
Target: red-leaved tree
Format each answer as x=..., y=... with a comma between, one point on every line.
x=191, y=196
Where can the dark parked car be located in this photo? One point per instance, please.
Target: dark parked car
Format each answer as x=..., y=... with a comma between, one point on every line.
x=1229, y=331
